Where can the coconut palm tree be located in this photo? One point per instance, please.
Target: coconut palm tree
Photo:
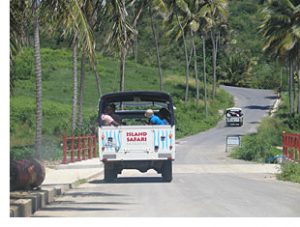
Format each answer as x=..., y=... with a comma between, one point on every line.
x=281, y=31
x=180, y=10
x=38, y=77
x=153, y=27
x=217, y=14
x=123, y=30
x=17, y=17
x=70, y=16
x=197, y=17
x=75, y=81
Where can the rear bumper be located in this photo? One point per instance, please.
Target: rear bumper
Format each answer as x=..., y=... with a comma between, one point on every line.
x=141, y=165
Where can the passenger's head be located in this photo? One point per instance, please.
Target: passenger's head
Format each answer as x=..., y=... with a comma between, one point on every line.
x=113, y=106
x=149, y=113
x=108, y=110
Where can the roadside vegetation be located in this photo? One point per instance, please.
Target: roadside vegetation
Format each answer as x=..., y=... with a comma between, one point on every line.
x=276, y=29
x=265, y=145
x=57, y=96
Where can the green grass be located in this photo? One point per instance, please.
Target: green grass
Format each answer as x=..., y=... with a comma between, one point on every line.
x=57, y=98
x=290, y=172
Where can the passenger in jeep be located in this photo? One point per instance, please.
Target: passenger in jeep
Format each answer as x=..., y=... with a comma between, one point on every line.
x=115, y=116
x=106, y=118
x=154, y=119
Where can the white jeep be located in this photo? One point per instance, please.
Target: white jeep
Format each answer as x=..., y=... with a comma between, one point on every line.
x=135, y=144
x=234, y=116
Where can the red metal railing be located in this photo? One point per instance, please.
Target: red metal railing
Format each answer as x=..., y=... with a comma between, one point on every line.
x=291, y=145
x=85, y=146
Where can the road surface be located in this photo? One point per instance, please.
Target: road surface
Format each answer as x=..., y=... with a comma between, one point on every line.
x=206, y=183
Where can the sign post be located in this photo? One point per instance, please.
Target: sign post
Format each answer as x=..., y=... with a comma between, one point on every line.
x=233, y=141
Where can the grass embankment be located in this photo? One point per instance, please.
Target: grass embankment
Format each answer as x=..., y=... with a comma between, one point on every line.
x=57, y=99
x=261, y=146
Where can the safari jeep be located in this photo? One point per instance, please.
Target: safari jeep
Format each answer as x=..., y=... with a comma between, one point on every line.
x=134, y=143
x=234, y=116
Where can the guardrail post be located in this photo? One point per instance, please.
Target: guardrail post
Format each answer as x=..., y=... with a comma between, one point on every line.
x=284, y=145
x=83, y=147
x=78, y=148
x=65, y=150
x=95, y=144
x=72, y=148
x=90, y=148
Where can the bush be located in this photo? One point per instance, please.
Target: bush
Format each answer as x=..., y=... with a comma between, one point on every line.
x=293, y=122
x=290, y=172
x=259, y=147
x=24, y=65
x=18, y=153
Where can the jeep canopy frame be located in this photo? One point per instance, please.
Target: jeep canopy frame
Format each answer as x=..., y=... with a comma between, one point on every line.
x=136, y=100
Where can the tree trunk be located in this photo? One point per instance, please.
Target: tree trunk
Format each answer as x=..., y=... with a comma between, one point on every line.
x=290, y=86
x=298, y=88
x=81, y=95
x=294, y=88
x=135, y=49
x=123, y=49
x=74, y=99
x=98, y=82
x=186, y=59
x=122, y=68
x=195, y=67
x=214, y=41
x=157, y=51
x=38, y=77
x=204, y=76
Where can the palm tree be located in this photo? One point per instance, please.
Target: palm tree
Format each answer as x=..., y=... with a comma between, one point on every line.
x=195, y=67
x=217, y=14
x=161, y=86
x=175, y=6
x=38, y=77
x=204, y=73
x=81, y=89
x=75, y=83
x=123, y=31
x=281, y=30
x=17, y=16
x=69, y=15
x=90, y=10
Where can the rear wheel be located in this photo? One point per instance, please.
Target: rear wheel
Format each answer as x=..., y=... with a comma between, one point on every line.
x=110, y=174
x=167, y=171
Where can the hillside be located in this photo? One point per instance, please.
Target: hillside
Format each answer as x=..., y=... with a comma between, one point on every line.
x=57, y=98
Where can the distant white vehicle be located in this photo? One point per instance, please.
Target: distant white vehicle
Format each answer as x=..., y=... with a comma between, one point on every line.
x=234, y=116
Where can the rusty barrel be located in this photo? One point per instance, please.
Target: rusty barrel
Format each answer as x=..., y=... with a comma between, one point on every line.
x=26, y=174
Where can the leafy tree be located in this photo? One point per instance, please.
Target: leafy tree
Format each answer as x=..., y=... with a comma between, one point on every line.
x=281, y=30
x=70, y=16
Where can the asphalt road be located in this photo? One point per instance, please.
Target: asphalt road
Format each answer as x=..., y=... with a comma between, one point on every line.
x=206, y=183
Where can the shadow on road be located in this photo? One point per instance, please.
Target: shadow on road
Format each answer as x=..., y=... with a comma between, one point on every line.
x=255, y=107
x=130, y=180
x=271, y=97
x=254, y=122
x=90, y=194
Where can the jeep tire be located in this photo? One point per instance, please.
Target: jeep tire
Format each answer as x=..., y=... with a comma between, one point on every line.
x=167, y=171
x=110, y=174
